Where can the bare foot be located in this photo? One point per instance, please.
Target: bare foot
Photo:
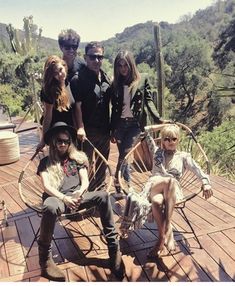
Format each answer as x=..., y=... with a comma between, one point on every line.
x=169, y=241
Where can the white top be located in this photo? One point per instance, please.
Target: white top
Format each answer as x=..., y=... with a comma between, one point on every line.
x=177, y=166
x=126, y=109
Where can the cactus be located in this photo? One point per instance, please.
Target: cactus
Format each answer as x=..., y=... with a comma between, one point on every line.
x=30, y=42
x=160, y=71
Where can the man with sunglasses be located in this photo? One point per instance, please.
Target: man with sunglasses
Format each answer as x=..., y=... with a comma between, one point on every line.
x=69, y=41
x=64, y=176
x=91, y=93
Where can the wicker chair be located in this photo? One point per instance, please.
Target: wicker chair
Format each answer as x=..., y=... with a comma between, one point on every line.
x=31, y=188
x=140, y=162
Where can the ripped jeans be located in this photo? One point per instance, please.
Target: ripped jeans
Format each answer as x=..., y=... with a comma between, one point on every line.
x=126, y=135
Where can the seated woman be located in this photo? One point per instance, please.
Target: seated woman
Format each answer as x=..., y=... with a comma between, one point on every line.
x=65, y=179
x=163, y=186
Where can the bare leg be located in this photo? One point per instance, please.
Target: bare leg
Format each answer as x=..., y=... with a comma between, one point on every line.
x=159, y=188
x=163, y=190
x=170, y=199
x=159, y=216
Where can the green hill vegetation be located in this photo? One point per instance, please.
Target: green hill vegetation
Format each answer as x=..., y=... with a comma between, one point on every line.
x=199, y=71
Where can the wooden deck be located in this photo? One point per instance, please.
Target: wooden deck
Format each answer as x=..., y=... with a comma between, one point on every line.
x=87, y=260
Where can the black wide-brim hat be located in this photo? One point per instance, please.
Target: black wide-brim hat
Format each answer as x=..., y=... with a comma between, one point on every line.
x=57, y=128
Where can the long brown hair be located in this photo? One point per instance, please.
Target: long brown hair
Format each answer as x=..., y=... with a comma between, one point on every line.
x=53, y=89
x=133, y=77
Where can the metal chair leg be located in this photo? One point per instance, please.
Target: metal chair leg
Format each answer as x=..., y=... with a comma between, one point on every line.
x=35, y=239
x=189, y=224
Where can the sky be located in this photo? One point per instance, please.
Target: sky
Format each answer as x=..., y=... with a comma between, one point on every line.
x=95, y=19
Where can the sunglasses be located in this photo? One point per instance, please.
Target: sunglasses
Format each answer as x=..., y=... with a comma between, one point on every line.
x=174, y=139
x=63, y=141
x=68, y=47
x=94, y=57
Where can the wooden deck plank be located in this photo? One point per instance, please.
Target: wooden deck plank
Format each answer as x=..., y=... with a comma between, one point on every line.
x=153, y=269
x=186, y=261
x=225, y=243
x=134, y=271
x=217, y=212
x=25, y=231
x=14, y=251
x=213, y=221
x=230, y=233
x=208, y=264
x=214, y=249
x=77, y=274
x=4, y=270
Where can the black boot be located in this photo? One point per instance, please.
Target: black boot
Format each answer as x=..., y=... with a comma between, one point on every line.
x=49, y=269
x=116, y=263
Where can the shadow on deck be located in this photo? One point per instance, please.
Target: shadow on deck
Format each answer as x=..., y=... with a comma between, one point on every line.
x=84, y=259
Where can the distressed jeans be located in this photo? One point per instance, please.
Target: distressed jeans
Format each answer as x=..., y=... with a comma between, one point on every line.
x=53, y=207
x=126, y=135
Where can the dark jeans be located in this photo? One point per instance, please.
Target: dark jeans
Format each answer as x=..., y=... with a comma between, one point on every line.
x=102, y=143
x=53, y=207
x=126, y=135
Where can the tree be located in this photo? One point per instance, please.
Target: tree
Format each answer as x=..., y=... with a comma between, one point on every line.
x=225, y=49
x=190, y=62
x=26, y=46
x=220, y=148
x=224, y=57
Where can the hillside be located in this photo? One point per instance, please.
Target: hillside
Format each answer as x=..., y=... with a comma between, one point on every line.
x=192, y=68
x=192, y=74
x=207, y=24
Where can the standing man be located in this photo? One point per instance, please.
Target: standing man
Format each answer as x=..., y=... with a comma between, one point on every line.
x=91, y=93
x=69, y=41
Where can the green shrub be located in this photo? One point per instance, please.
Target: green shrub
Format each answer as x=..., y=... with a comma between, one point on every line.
x=219, y=145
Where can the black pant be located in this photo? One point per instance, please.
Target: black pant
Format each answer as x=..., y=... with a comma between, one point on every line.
x=53, y=207
x=102, y=143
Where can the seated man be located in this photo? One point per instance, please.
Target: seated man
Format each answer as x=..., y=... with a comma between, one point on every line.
x=65, y=180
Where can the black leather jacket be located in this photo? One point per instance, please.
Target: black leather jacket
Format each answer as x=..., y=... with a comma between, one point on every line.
x=142, y=105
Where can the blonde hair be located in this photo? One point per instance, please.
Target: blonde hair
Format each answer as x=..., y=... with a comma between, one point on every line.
x=170, y=131
x=54, y=168
x=55, y=175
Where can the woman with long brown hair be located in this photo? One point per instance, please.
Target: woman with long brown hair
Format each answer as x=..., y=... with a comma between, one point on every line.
x=56, y=95
x=131, y=94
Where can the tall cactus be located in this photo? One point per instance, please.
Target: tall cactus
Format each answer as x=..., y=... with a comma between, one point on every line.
x=30, y=42
x=160, y=71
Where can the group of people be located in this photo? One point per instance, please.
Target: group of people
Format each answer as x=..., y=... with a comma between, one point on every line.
x=76, y=96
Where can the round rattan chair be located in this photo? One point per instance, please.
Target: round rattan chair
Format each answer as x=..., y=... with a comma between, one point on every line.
x=140, y=164
x=31, y=188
